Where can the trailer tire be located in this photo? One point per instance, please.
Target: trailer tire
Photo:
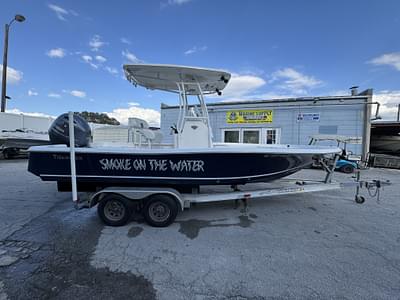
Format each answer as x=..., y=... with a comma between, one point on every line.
x=160, y=210
x=348, y=169
x=360, y=199
x=114, y=210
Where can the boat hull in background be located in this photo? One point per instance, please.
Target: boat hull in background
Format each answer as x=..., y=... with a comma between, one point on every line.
x=21, y=143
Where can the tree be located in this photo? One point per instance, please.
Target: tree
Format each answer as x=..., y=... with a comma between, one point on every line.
x=98, y=118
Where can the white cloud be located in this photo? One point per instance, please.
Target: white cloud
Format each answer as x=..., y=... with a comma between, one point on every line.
x=60, y=12
x=31, y=92
x=389, y=101
x=100, y=58
x=74, y=13
x=13, y=76
x=178, y=2
x=130, y=57
x=123, y=114
x=53, y=95
x=75, y=93
x=96, y=43
x=262, y=96
x=79, y=94
x=390, y=59
x=339, y=93
x=294, y=81
x=133, y=103
x=56, y=53
x=34, y=114
x=242, y=85
x=195, y=49
x=272, y=95
x=174, y=2
x=125, y=41
x=112, y=71
x=88, y=59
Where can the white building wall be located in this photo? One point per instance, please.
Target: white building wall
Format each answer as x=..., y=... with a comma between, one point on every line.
x=346, y=119
x=10, y=121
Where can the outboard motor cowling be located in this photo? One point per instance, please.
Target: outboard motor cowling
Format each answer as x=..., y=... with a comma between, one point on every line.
x=59, y=131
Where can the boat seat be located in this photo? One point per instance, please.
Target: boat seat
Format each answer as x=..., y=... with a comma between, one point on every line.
x=195, y=134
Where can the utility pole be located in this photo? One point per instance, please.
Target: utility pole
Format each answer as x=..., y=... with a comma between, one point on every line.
x=18, y=18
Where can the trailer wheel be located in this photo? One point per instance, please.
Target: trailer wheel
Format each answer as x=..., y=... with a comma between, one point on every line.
x=160, y=210
x=114, y=210
x=348, y=169
x=360, y=199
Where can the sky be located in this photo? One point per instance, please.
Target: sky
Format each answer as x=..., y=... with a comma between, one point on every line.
x=68, y=54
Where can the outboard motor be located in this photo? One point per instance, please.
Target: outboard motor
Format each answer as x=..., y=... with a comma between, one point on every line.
x=59, y=131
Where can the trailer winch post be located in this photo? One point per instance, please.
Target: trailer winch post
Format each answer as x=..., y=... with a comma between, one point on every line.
x=72, y=156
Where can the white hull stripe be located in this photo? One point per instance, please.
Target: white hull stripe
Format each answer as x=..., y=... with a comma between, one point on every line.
x=176, y=178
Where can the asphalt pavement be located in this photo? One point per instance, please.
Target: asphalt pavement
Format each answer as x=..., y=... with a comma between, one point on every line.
x=308, y=246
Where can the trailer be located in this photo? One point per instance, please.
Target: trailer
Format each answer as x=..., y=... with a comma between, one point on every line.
x=161, y=205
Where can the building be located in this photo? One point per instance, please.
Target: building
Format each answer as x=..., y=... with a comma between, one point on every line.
x=137, y=132
x=12, y=121
x=285, y=121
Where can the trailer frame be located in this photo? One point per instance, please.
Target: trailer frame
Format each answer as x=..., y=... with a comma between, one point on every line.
x=160, y=205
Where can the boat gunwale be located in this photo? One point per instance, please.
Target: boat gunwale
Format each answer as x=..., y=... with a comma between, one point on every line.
x=241, y=149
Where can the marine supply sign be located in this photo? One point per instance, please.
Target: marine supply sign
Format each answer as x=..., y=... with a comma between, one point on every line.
x=249, y=116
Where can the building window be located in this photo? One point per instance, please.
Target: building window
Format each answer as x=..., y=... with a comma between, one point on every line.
x=251, y=136
x=328, y=129
x=231, y=136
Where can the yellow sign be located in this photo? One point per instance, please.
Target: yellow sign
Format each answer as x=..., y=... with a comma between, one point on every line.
x=249, y=116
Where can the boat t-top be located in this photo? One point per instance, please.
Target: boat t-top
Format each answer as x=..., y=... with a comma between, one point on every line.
x=193, y=160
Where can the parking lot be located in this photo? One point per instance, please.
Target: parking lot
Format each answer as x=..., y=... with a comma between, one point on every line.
x=320, y=245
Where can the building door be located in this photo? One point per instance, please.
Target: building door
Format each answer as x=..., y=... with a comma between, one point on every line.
x=272, y=136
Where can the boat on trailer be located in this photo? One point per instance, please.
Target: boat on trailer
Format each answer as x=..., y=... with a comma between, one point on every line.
x=159, y=181
x=193, y=160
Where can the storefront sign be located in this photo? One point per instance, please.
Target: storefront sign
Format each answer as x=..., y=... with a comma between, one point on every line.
x=308, y=117
x=249, y=116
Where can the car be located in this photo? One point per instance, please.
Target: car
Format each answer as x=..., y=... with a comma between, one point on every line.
x=346, y=166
